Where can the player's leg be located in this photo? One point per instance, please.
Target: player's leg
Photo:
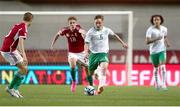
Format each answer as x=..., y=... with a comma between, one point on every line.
x=87, y=72
x=9, y=59
x=96, y=73
x=85, y=67
x=83, y=61
x=92, y=66
x=18, y=61
x=162, y=58
x=18, y=77
x=72, y=62
x=72, y=59
x=102, y=71
x=155, y=61
x=15, y=58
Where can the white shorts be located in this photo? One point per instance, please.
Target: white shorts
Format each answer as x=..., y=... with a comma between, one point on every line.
x=81, y=58
x=12, y=57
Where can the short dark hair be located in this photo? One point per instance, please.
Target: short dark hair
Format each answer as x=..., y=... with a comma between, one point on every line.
x=28, y=16
x=72, y=18
x=157, y=15
x=99, y=17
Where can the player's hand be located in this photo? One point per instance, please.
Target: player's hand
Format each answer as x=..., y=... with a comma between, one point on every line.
x=125, y=45
x=82, y=31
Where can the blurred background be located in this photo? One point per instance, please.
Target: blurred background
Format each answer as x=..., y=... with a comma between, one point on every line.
x=44, y=28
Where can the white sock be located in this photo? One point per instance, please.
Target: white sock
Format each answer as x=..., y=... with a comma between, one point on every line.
x=96, y=72
x=163, y=74
x=156, y=76
x=102, y=77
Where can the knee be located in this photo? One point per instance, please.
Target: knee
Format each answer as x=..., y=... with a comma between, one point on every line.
x=103, y=68
x=163, y=67
x=24, y=70
x=73, y=64
x=73, y=67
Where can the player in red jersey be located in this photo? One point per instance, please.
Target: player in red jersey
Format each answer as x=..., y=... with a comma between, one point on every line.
x=75, y=37
x=13, y=41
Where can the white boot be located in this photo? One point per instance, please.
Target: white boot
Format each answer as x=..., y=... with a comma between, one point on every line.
x=11, y=92
x=18, y=93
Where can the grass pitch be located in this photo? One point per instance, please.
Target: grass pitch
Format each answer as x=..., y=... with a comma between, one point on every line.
x=60, y=95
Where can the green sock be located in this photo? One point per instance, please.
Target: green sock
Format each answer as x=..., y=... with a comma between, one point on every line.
x=90, y=80
x=15, y=80
x=73, y=74
x=18, y=83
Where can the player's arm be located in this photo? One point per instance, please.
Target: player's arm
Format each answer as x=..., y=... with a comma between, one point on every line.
x=86, y=48
x=150, y=40
x=121, y=41
x=22, y=50
x=167, y=43
x=54, y=40
x=87, y=43
x=83, y=32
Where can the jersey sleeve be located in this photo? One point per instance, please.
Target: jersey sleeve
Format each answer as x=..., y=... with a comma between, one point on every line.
x=111, y=32
x=148, y=33
x=23, y=32
x=62, y=31
x=88, y=36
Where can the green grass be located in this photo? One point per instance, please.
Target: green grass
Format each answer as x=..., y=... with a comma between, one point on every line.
x=57, y=95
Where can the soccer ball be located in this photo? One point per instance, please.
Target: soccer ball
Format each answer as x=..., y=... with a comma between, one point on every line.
x=89, y=90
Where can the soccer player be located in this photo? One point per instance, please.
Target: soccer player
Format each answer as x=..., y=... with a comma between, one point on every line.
x=75, y=37
x=97, y=48
x=13, y=52
x=156, y=38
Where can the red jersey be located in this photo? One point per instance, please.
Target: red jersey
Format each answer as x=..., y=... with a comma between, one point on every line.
x=75, y=39
x=11, y=40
